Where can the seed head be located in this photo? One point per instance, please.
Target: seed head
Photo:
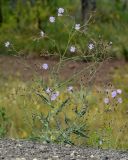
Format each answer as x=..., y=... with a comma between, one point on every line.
x=42, y=34
x=77, y=27
x=91, y=46
x=7, y=44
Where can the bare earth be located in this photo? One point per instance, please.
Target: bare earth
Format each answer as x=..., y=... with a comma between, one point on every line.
x=26, y=68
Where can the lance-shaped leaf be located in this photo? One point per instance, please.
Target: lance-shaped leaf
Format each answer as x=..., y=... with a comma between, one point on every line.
x=45, y=99
x=62, y=106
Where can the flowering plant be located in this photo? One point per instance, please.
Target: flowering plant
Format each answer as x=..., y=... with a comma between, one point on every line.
x=58, y=125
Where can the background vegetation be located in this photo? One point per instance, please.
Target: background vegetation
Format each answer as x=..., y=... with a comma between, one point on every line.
x=22, y=21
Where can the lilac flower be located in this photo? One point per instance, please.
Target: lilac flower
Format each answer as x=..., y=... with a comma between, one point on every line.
x=57, y=93
x=106, y=100
x=114, y=93
x=119, y=91
x=54, y=95
x=48, y=90
x=45, y=66
x=70, y=89
x=7, y=44
x=52, y=19
x=91, y=46
x=77, y=27
x=60, y=11
x=72, y=49
x=119, y=100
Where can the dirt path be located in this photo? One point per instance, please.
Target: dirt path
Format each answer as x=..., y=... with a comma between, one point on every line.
x=27, y=68
x=28, y=150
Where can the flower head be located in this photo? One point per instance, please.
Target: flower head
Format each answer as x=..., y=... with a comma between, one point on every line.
x=52, y=19
x=70, y=89
x=119, y=91
x=106, y=100
x=77, y=27
x=44, y=66
x=42, y=34
x=60, y=11
x=54, y=95
x=91, y=46
x=119, y=100
x=114, y=93
x=72, y=49
x=7, y=44
x=48, y=90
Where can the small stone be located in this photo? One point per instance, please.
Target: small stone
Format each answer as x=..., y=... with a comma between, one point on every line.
x=78, y=155
x=55, y=157
x=92, y=156
x=19, y=145
x=20, y=158
x=44, y=142
x=73, y=154
x=68, y=145
x=106, y=158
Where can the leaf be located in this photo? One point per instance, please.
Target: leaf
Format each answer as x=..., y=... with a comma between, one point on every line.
x=80, y=133
x=67, y=120
x=44, y=99
x=62, y=106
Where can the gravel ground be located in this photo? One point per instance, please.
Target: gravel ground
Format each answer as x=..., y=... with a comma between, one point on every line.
x=28, y=150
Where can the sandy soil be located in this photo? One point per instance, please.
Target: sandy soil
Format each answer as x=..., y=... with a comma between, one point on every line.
x=27, y=68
